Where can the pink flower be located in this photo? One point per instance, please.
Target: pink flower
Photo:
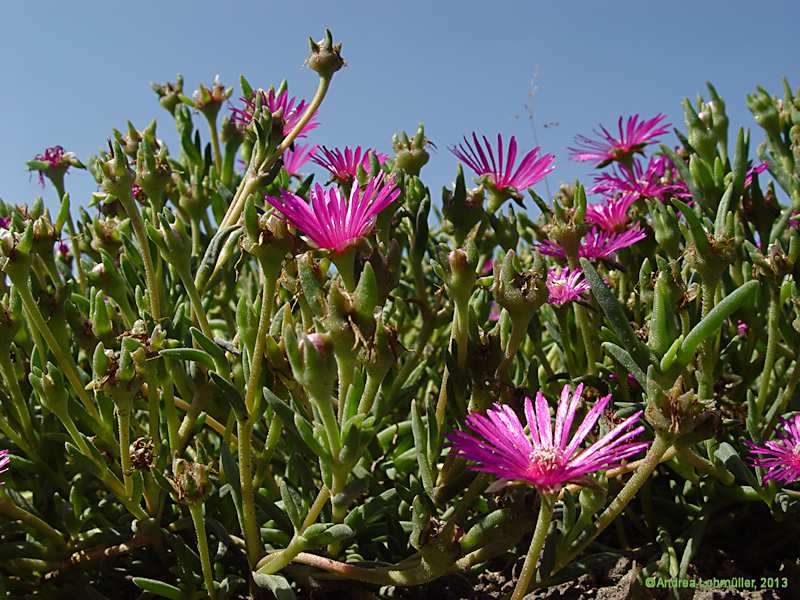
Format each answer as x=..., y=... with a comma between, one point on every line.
x=289, y=110
x=5, y=222
x=545, y=458
x=565, y=285
x=794, y=220
x=753, y=171
x=780, y=457
x=651, y=182
x=597, y=243
x=741, y=328
x=499, y=169
x=332, y=220
x=612, y=213
x=5, y=460
x=631, y=140
x=495, y=310
x=294, y=158
x=55, y=157
x=343, y=164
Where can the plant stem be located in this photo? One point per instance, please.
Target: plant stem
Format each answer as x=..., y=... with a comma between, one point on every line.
x=546, y=505
x=20, y=408
x=519, y=330
x=212, y=130
x=651, y=460
x=124, y=420
x=153, y=285
x=773, y=333
x=252, y=533
x=15, y=512
x=64, y=361
x=196, y=510
x=197, y=306
x=705, y=384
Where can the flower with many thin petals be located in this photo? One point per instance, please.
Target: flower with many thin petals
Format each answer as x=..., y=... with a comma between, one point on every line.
x=597, y=243
x=545, y=458
x=289, y=109
x=657, y=180
x=333, y=220
x=5, y=460
x=498, y=167
x=296, y=157
x=631, y=140
x=343, y=164
x=612, y=213
x=781, y=456
x=565, y=285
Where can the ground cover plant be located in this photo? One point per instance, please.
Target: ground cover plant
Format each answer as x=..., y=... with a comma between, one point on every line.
x=224, y=378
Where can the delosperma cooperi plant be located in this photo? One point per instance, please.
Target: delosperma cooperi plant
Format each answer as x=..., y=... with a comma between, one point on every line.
x=259, y=365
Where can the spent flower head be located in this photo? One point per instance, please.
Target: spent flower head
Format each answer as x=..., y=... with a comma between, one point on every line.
x=544, y=457
x=53, y=162
x=631, y=139
x=780, y=456
x=333, y=220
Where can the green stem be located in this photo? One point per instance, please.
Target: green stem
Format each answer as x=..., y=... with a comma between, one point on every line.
x=546, y=505
x=196, y=510
x=197, y=306
x=371, y=388
x=519, y=329
x=12, y=511
x=648, y=464
x=65, y=362
x=252, y=534
x=773, y=333
x=124, y=420
x=589, y=337
x=153, y=284
x=20, y=408
x=460, y=331
x=212, y=130
x=705, y=384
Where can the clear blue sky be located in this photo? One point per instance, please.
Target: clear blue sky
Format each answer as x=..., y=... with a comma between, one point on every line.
x=74, y=70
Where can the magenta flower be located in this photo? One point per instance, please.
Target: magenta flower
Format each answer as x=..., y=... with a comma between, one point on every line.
x=332, y=220
x=741, y=328
x=5, y=460
x=794, y=220
x=753, y=171
x=295, y=158
x=499, y=169
x=781, y=456
x=495, y=310
x=612, y=213
x=545, y=458
x=289, y=110
x=597, y=243
x=565, y=285
x=55, y=157
x=654, y=181
x=5, y=222
x=632, y=139
x=343, y=164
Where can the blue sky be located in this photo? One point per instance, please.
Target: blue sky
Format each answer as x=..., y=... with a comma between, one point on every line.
x=74, y=70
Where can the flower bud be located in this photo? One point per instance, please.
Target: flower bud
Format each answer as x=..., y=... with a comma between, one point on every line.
x=169, y=94
x=411, y=155
x=520, y=292
x=326, y=57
